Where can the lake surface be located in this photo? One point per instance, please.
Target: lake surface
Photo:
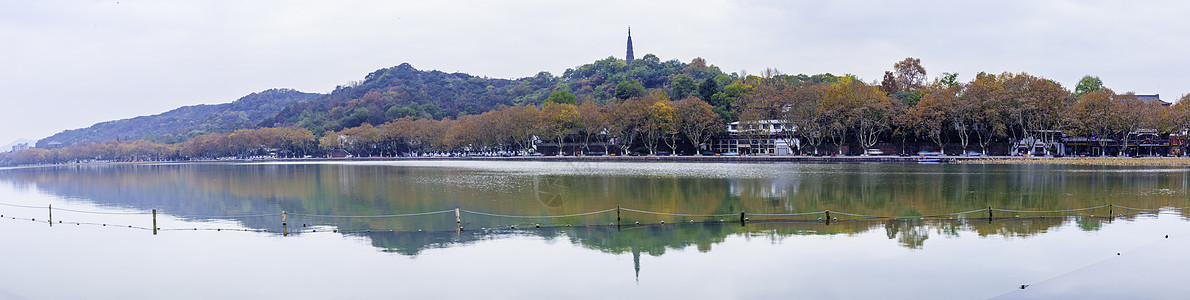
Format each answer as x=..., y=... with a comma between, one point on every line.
x=389, y=229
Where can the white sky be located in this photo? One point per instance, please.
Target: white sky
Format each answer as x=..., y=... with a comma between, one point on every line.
x=69, y=64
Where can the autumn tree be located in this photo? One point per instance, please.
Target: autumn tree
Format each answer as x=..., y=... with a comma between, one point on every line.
x=1096, y=119
x=521, y=123
x=911, y=76
x=1180, y=114
x=626, y=118
x=697, y=121
x=807, y=114
x=592, y=121
x=659, y=120
x=557, y=120
x=931, y=115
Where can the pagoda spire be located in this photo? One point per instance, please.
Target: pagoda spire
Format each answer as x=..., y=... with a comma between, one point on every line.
x=629, y=57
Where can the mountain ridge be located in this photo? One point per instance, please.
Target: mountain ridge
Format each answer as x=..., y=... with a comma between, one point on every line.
x=184, y=122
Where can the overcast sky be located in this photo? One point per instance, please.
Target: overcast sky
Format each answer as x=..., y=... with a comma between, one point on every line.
x=69, y=64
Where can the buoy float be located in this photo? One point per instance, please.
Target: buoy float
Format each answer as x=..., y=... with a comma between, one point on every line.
x=662, y=222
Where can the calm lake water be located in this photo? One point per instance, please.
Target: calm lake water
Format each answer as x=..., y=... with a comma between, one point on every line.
x=389, y=229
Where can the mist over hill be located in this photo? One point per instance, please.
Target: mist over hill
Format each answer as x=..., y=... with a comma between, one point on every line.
x=182, y=123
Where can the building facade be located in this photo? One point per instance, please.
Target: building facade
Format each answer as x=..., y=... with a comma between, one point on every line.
x=767, y=137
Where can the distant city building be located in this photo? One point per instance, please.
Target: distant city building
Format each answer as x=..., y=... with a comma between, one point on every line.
x=629, y=57
x=20, y=147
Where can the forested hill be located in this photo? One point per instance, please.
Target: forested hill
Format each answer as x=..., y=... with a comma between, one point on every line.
x=402, y=91
x=182, y=123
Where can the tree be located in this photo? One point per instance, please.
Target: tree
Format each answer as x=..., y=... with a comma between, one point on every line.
x=561, y=96
x=625, y=120
x=558, y=120
x=659, y=120
x=930, y=115
x=682, y=86
x=1088, y=84
x=1096, y=119
x=630, y=89
x=889, y=83
x=808, y=114
x=521, y=122
x=911, y=76
x=1180, y=114
x=697, y=121
x=591, y=122
x=949, y=79
x=707, y=89
x=871, y=116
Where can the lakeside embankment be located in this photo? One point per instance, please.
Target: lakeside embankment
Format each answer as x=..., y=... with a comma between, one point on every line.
x=1101, y=161
x=1104, y=161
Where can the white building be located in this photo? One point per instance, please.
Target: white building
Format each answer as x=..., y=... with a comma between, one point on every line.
x=767, y=137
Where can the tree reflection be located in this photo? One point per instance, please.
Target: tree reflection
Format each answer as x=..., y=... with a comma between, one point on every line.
x=513, y=194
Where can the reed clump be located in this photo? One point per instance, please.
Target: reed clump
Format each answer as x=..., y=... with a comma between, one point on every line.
x=1101, y=161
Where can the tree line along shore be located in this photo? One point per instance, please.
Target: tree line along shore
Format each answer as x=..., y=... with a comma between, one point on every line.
x=824, y=113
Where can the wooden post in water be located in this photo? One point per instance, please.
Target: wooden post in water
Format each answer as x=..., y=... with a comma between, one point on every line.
x=989, y=214
x=742, y=219
x=617, y=216
x=828, y=217
x=1111, y=215
x=154, y=221
x=284, y=223
x=51, y=215
x=458, y=220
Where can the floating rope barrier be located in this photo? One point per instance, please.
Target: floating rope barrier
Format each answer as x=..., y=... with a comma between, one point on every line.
x=1047, y=211
x=1145, y=209
x=226, y=217
x=673, y=214
x=101, y=212
x=484, y=225
x=376, y=216
x=22, y=206
x=787, y=214
x=537, y=217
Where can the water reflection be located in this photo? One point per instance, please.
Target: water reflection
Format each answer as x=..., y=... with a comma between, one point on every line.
x=317, y=196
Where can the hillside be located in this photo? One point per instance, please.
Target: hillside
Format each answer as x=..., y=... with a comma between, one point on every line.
x=403, y=90
x=182, y=123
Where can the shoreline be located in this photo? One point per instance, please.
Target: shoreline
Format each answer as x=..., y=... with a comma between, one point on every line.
x=1102, y=161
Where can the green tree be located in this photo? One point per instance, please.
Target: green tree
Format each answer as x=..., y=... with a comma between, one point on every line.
x=561, y=96
x=1088, y=84
x=949, y=79
x=630, y=89
x=682, y=86
x=707, y=89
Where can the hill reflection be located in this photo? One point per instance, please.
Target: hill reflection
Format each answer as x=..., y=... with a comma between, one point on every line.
x=521, y=195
